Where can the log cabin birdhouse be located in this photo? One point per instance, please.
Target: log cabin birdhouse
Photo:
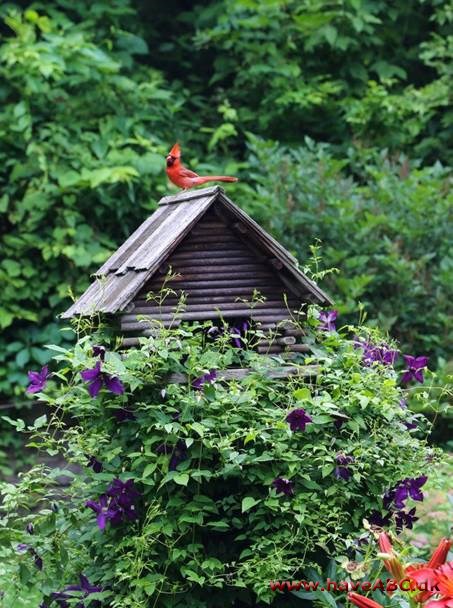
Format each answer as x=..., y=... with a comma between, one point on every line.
x=199, y=257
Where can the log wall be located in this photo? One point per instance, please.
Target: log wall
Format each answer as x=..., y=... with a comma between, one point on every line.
x=213, y=274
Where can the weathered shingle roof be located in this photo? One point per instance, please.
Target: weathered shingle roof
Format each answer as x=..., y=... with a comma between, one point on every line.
x=126, y=271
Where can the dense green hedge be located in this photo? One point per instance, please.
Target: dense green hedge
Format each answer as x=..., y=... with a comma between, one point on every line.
x=94, y=93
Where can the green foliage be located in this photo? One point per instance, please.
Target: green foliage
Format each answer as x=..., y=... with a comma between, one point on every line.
x=386, y=230
x=212, y=530
x=81, y=126
x=344, y=71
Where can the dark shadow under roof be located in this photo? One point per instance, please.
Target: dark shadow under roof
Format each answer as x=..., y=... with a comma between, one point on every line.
x=127, y=270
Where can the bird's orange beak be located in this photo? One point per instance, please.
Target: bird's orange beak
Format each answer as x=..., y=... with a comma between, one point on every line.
x=175, y=152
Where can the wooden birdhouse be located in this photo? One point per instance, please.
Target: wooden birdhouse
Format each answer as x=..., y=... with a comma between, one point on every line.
x=197, y=258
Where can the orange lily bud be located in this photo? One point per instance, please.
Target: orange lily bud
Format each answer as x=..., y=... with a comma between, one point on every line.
x=384, y=543
x=393, y=564
x=361, y=601
x=440, y=554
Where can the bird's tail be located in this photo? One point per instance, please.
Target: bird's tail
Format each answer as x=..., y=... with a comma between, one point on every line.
x=216, y=178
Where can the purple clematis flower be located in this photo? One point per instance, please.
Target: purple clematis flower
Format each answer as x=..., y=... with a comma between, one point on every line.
x=197, y=384
x=338, y=422
x=117, y=504
x=94, y=464
x=327, y=320
x=403, y=404
x=30, y=528
x=97, y=379
x=341, y=470
x=298, y=419
x=38, y=380
x=415, y=367
x=381, y=521
x=284, y=486
x=22, y=548
x=99, y=351
x=124, y=496
x=405, y=519
x=409, y=488
x=82, y=592
x=376, y=353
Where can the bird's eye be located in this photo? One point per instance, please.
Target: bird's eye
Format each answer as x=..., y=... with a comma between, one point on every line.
x=170, y=161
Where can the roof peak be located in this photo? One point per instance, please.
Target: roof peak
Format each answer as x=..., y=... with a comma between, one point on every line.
x=187, y=195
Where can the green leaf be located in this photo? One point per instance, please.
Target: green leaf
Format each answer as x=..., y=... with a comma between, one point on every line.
x=40, y=422
x=181, y=479
x=18, y=423
x=302, y=394
x=149, y=469
x=198, y=428
x=248, y=502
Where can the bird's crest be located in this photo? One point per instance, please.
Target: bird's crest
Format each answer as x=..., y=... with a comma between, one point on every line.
x=175, y=151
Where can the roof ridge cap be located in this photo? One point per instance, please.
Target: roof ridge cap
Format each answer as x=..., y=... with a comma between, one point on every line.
x=189, y=195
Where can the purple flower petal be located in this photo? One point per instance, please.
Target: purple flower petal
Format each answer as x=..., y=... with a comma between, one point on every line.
x=34, y=376
x=35, y=388
x=38, y=380
x=91, y=374
x=284, y=486
x=101, y=520
x=421, y=362
x=407, y=377
x=209, y=377
x=91, y=504
x=114, y=384
x=327, y=320
x=342, y=473
x=298, y=419
x=418, y=375
x=94, y=387
x=99, y=351
x=94, y=464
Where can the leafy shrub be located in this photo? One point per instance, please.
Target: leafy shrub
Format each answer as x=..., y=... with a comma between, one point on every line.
x=207, y=489
x=386, y=230
x=78, y=159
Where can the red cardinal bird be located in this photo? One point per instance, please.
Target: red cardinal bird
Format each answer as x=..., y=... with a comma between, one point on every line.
x=184, y=178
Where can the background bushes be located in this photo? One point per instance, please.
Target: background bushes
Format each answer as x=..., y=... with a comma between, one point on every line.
x=334, y=116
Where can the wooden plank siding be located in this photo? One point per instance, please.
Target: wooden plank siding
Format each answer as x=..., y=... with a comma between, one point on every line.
x=214, y=273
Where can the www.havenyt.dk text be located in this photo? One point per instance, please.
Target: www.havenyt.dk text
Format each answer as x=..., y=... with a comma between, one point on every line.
x=389, y=584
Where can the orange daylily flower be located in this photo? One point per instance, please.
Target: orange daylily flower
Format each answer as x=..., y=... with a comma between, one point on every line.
x=443, y=578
